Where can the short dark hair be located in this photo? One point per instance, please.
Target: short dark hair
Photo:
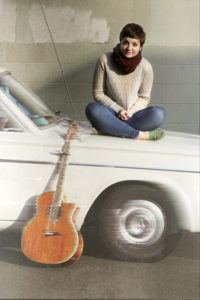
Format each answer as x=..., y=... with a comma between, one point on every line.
x=134, y=31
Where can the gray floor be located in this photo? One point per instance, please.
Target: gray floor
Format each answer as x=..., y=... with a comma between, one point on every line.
x=98, y=276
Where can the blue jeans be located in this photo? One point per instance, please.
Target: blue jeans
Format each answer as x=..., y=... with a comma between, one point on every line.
x=105, y=119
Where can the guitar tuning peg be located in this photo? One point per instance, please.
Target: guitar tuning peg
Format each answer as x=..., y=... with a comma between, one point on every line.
x=80, y=138
x=57, y=152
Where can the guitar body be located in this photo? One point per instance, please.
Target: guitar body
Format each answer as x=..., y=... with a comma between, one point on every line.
x=79, y=249
x=78, y=252
x=50, y=242
x=52, y=237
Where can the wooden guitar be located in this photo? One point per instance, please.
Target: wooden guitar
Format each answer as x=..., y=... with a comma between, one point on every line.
x=51, y=237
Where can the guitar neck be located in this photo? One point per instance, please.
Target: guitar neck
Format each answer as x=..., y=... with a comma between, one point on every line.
x=63, y=162
x=62, y=171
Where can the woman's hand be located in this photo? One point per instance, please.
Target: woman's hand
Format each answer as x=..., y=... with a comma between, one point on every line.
x=124, y=115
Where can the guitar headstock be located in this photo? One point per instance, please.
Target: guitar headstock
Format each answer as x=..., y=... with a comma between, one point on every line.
x=73, y=129
x=71, y=134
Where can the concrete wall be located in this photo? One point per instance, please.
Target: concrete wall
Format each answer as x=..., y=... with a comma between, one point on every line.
x=84, y=29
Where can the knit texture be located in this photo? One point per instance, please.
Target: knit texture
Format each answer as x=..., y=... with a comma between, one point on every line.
x=117, y=90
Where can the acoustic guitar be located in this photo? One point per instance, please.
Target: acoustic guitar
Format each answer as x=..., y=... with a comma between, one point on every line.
x=52, y=237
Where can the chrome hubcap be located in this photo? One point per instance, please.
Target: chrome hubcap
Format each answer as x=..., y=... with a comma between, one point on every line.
x=142, y=222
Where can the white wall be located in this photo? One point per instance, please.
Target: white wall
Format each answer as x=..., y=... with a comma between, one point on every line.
x=84, y=29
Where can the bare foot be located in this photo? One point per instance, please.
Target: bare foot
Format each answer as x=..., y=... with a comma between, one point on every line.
x=153, y=135
x=143, y=135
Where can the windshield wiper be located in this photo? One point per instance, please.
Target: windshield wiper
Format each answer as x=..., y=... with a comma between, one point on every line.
x=15, y=129
x=57, y=117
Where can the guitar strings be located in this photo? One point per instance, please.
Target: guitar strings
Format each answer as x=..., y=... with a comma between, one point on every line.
x=60, y=181
x=56, y=195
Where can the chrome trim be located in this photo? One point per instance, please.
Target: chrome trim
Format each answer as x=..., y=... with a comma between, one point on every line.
x=131, y=167
x=96, y=165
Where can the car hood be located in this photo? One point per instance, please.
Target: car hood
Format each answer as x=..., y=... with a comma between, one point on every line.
x=177, y=151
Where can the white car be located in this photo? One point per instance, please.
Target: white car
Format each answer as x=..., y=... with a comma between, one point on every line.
x=141, y=194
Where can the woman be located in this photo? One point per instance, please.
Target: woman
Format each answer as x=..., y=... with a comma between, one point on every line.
x=121, y=88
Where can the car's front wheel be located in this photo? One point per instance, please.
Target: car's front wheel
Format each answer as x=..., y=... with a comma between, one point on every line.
x=135, y=223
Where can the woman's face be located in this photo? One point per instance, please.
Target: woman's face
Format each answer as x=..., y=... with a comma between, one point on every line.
x=130, y=47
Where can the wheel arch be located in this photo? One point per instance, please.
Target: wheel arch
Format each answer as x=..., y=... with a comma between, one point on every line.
x=173, y=201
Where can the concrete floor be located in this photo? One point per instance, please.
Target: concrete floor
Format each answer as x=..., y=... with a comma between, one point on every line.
x=98, y=276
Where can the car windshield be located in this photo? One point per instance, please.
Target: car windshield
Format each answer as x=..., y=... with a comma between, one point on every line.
x=38, y=111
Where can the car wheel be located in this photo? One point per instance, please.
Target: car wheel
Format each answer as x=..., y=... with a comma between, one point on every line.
x=135, y=223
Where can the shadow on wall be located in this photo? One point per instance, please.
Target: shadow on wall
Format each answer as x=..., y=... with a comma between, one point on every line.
x=75, y=89
x=176, y=87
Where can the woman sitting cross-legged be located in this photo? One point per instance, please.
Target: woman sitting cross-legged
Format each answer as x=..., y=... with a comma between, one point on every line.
x=122, y=87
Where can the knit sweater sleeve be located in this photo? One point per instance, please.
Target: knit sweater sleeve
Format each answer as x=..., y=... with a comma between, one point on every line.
x=99, y=86
x=144, y=90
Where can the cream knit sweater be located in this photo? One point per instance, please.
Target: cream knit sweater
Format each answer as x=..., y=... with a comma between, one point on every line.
x=118, y=91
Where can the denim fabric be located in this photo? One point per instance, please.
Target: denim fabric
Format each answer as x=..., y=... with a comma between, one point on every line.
x=105, y=119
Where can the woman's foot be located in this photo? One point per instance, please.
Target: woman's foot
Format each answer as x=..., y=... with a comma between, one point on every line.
x=152, y=135
x=156, y=134
x=95, y=131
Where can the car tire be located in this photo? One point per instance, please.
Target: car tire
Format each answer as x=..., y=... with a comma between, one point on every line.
x=136, y=223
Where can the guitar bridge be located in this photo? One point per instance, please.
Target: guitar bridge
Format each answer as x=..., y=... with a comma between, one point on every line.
x=50, y=233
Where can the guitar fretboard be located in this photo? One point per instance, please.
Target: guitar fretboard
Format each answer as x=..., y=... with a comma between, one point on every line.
x=63, y=161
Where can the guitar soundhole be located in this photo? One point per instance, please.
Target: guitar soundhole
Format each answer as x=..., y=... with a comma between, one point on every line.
x=54, y=212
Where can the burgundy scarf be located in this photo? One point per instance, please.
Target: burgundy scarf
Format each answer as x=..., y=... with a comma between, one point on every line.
x=128, y=65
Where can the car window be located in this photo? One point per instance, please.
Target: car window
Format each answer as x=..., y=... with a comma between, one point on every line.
x=27, y=101
x=7, y=121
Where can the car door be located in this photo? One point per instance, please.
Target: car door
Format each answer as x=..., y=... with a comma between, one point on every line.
x=27, y=163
